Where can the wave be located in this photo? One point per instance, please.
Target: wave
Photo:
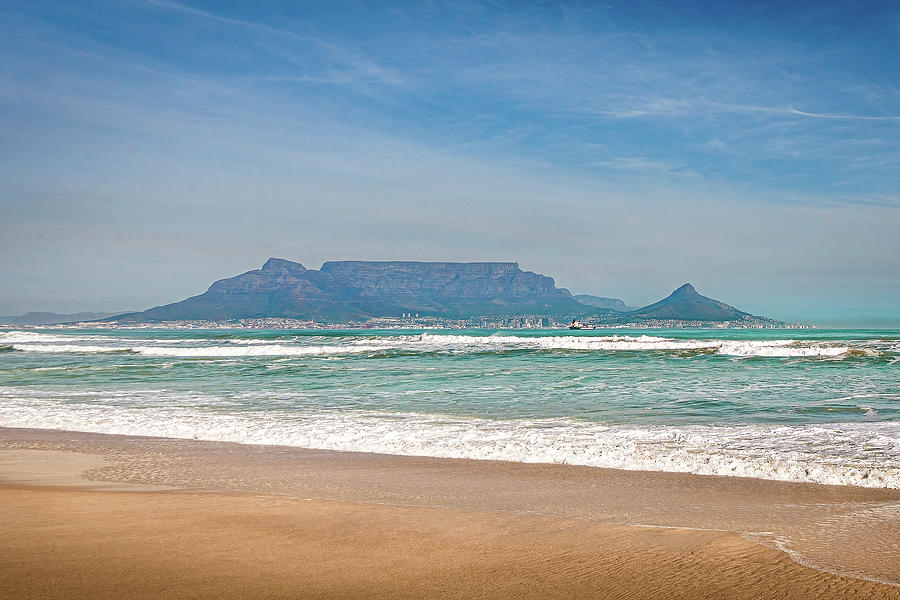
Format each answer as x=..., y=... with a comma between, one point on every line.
x=299, y=346
x=259, y=350
x=33, y=337
x=778, y=348
x=613, y=343
x=762, y=348
x=17, y=337
x=202, y=351
x=67, y=348
x=860, y=454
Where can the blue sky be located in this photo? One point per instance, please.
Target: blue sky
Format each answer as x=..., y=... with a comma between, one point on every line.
x=150, y=147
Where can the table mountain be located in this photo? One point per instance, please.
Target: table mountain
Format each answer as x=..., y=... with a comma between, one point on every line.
x=355, y=290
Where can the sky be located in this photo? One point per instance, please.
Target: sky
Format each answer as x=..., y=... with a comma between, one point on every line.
x=150, y=147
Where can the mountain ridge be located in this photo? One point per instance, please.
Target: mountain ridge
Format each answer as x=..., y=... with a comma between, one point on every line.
x=52, y=318
x=357, y=290
x=616, y=304
x=353, y=291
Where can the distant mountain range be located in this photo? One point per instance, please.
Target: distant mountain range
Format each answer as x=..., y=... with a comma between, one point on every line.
x=357, y=290
x=51, y=318
x=600, y=302
x=343, y=291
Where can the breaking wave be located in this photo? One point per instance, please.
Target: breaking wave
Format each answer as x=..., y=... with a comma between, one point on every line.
x=203, y=351
x=67, y=348
x=300, y=346
x=260, y=350
x=860, y=454
x=15, y=337
x=763, y=348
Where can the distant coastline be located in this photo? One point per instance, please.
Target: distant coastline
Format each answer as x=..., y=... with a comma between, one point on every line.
x=417, y=323
x=283, y=294
x=446, y=295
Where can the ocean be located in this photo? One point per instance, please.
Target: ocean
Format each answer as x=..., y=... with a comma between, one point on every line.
x=819, y=406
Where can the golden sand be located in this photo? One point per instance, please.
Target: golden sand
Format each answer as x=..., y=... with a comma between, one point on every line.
x=307, y=524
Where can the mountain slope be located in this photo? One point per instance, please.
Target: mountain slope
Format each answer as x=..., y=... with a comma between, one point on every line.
x=600, y=302
x=280, y=288
x=50, y=318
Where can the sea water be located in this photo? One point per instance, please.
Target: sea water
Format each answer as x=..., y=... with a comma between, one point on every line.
x=818, y=406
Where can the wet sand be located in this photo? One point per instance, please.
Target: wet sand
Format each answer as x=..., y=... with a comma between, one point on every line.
x=212, y=519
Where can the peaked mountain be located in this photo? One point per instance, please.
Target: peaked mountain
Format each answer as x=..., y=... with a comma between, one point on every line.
x=355, y=290
x=687, y=304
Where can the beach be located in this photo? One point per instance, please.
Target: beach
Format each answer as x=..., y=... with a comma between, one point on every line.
x=525, y=300
x=469, y=463
x=90, y=515
x=791, y=405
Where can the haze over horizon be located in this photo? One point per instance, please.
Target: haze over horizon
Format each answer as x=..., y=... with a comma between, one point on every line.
x=152, y=147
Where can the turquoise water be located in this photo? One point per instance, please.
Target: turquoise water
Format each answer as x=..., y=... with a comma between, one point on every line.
x=806, y=405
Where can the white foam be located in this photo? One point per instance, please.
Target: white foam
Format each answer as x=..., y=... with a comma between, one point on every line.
x=66, y=348
x=38, y=342
x=778, y=348
x=256, y=350
x=17, y=337
x=763, y=348
x=245, y=341
x=202, y=351
x=861, y=454
x=609, y=343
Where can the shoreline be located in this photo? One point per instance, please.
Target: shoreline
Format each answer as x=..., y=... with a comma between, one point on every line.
x=841, y=531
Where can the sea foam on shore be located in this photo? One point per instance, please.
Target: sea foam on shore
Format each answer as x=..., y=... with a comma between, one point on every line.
x=819, y=406
x=836, y=454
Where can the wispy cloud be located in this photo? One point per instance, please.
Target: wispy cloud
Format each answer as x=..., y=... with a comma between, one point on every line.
x=794, y=111
x=357, y=68
x=477, y=131
x=637, y=163
x=228, y=20
x=653, y=107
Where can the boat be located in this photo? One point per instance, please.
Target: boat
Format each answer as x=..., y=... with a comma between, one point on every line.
x=579, y=325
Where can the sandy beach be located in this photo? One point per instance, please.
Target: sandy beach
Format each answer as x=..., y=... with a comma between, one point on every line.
x=95, y=516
